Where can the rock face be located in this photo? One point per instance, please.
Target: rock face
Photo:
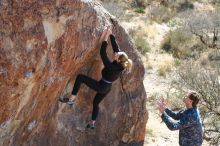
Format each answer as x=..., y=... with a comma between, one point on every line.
x=44, y=45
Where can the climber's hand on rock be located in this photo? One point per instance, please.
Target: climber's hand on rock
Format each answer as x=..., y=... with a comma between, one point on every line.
x=109, y=30
x=104, y=36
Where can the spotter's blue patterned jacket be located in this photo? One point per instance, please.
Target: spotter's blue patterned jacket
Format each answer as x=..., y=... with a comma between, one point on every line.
x=189, y=124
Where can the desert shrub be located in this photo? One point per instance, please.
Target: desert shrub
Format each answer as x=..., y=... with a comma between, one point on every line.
x=177, y=5
x=161, y=14
x=141, y=3
x=215, y=3
x=179, y=43
x=149, y=66
x=149, y=131
x=167, y=9
x=141, y=44
x=164, y=67
x=214, y=55
x=203, y=60
x=174, y=23
x=214, y=58
x=185, y=5
x=139, y=40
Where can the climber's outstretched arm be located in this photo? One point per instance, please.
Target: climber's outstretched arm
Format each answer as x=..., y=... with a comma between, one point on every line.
x=104, y=45
x=113, y=41
x=114, y=44
x=106, y=33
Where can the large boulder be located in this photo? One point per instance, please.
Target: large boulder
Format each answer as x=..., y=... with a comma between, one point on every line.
x=44, y=45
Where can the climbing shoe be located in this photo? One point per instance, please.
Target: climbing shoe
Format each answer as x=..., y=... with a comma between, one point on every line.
x=70, y=102
x=91, y=126
x=66, y=100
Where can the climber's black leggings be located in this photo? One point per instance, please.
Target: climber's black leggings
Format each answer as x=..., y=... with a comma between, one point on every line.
x=101, y=87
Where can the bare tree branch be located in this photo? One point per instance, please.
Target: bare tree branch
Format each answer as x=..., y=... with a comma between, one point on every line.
x=206, y=27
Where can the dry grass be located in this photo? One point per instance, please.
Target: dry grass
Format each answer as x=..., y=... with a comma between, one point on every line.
x=155, y=34
x=149, y=65
x=162, y=63
x=204, y=60
x=139, y=37
x=163, y=68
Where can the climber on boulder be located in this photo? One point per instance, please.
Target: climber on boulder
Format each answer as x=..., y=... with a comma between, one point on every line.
x=110, y=73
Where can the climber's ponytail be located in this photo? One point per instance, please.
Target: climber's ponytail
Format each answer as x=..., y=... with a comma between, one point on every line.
x=125, y=61
x=129, y=64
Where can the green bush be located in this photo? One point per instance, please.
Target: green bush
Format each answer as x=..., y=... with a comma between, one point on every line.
x=177, y=62
x=140, y=10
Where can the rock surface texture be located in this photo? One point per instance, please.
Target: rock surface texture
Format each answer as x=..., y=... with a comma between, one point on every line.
x=44, y=45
